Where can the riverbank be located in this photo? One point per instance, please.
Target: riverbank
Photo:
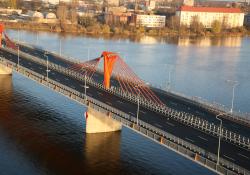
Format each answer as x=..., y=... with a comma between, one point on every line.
x=101, y=30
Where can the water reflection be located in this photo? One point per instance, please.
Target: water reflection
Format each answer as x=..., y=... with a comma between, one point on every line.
x=102, y=153
x=47, y=142
x=37, y=36
x=213, y=41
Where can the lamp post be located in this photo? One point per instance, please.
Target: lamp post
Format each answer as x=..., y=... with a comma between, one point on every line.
x=169, y=77
x=47, y=71
x=60, y=47
x=234, y=84
x=18, y=35
x=88, y=54
x=85, y=88
x=138, y=105
x=18, y=58
x=218, y=152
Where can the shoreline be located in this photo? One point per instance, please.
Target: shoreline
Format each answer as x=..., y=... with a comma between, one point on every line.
x=78, y=30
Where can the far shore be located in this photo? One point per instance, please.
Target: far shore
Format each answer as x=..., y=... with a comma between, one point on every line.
x=78, y=30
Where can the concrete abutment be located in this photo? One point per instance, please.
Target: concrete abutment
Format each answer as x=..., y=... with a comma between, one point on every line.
x=98, y=122
x=5, y=70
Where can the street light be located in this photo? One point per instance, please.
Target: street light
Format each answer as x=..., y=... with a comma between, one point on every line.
x=234, y=84
x=138, y=104
x=47, y=71
x=18, y=35
x=169, y=77
x=60, y=47
x=85, y=88
x=88, y=53
x=218, y=152
x=18, y=58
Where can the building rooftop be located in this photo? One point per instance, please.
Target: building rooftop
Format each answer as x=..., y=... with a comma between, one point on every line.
x=209, y=9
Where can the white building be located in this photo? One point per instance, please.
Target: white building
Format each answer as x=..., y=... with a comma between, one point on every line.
x=154, y=21
x=229, y=17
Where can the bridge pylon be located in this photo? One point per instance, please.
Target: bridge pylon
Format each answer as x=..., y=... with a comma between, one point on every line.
x=109, y=61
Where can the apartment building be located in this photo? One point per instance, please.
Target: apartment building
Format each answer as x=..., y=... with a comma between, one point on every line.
x=229, y=17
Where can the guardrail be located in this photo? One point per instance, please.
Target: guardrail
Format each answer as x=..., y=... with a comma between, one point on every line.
x=182, y=117
x=212, y=107
x=172, y=142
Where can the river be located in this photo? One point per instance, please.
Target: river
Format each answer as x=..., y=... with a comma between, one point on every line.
x=42, y=132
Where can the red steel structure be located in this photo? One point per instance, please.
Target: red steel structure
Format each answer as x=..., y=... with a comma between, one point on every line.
x=115, y=68
x=1, y=32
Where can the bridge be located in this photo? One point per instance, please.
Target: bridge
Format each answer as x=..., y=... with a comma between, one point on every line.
x=116, y=96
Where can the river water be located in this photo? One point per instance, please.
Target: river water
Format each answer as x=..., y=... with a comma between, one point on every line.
x=42, y=132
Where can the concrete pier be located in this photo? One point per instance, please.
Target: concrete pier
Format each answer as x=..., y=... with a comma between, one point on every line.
x=98, y=122
x=5, y=70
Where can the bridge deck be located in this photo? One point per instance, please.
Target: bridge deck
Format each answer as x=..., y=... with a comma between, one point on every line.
x=170, y=100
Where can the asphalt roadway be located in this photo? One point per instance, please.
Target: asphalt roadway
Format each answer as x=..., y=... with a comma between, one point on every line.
x=229, y=151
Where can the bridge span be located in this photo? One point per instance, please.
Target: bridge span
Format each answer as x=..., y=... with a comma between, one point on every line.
x=182, y=125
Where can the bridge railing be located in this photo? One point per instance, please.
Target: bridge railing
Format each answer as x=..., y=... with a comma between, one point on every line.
x=185, y=118
x=213, y=107
x=179, y=145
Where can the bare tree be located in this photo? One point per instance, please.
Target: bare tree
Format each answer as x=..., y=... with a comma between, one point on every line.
x=196, y=26
x=62, y=12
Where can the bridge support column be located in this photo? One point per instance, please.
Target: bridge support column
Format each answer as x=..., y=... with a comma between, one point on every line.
x=5, y=70
x=97, y=122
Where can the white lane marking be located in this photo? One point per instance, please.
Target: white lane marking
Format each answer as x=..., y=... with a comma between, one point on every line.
x=40, y=68
x=171, y=124
x=66, y=79
x=228, y=157
x=109, y=103
x=202, y=138
x=131, y=113
x=52, y=73
x=243, y=155
x=189, y=139
x=158, y=125
x=29, y=63
x=118, y=101
x=143, y=112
